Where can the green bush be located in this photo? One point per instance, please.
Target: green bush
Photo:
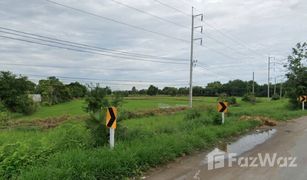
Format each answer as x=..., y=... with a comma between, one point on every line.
x=230, y=99
x=97, y=103
x=4, y=117
x=192, y=114
x=97, y=128
x=249, y=98
x=275, y=97
x=216, y=118
x=25, y=105
x=124, y=115
x=4, y=114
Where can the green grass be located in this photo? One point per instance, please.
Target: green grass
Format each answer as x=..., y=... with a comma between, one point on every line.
x=76, y=107
x=67, y=152
x=73, y=108
x=132, y=156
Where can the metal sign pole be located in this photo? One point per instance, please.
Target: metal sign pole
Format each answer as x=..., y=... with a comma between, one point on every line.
x=112, y=139
x=223, y=117
x=303, y=105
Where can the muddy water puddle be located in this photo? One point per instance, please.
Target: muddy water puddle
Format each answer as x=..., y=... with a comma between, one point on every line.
x=242, y=145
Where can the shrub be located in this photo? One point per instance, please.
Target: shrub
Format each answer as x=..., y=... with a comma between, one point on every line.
x=230, y=99
x=216, y=118
x=275, y=97
x=249, y=98
x=25, y=105
x=4, y=117
x=4, y=114
x=97, y=103
x=192, y=114
x=124, y=115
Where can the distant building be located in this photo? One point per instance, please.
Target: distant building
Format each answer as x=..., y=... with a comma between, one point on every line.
x=36, y=97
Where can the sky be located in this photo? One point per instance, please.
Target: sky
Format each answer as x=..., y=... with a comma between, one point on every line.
x=238, y=37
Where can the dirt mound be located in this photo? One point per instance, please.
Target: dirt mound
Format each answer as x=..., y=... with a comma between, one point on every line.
x=46, y=123
x=264, y=120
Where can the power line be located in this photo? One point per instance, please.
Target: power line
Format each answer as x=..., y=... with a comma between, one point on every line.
x=81, y=67
x=93, y=47
x=222, y=33
x=90, y=52
x=117, y=21
x=228, y=36
x=123, y=82
x=171, y=7
x=152, y=15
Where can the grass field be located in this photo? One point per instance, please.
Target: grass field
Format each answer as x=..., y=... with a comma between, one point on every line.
x=67, y=152
x=76, y=107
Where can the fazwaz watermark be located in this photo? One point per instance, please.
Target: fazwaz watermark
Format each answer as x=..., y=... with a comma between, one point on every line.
x=219, y=159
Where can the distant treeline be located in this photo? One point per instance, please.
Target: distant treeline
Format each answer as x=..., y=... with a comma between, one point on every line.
x=231, y=88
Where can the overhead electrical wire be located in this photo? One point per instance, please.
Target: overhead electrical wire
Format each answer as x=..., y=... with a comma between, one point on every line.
x=123, y=58
x=118, y=22
x=122, y=81
x=149, y=14
x=82, y=67
x=164, y=4
x=230, y=37
x=108, y=50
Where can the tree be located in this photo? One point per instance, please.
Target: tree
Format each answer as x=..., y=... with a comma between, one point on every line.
x=97, y=104
x=134, y=90
x=14, y=92
x=198, y=91
x=77, y=90
x=213, y=89
x=171, y=91
x=297, y=73
x=53, y=91
x=183, y=91
x=152, y=90
x=235, y=88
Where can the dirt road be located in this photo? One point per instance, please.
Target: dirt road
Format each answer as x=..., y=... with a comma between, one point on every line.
x=289, y=141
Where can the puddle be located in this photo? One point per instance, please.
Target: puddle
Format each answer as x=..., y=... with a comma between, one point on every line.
x=248, y=142
x=244, y=144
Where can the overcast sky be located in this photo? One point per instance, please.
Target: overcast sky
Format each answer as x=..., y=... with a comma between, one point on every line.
x=238, y=37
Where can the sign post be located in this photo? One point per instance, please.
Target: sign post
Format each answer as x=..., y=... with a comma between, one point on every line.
x=222, y=107
x=111, y=124
x=303, y=99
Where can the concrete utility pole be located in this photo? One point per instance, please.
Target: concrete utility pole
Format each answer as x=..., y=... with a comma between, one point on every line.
x=269, y=71
x=275, y=86
x=192, y=51
x=280, y=93
x=253, y=83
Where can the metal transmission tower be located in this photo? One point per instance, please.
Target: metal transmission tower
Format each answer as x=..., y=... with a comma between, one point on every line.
x=193, y=27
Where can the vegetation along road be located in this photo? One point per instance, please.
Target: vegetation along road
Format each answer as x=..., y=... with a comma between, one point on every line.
x=288, y=141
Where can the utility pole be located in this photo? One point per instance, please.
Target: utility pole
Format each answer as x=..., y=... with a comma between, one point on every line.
x=269, y=68
x=253, y=83
x=274, y=77
x=275, y=86
x=192, y=51
x=280, y=93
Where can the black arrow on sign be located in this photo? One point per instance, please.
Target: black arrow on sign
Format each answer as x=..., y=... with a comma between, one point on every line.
x=303, y=98
x=224, y=107
x=112, y=120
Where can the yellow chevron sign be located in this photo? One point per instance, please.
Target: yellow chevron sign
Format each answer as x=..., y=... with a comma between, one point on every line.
x=303, y=98
x=111, y=117
x=222, y=107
